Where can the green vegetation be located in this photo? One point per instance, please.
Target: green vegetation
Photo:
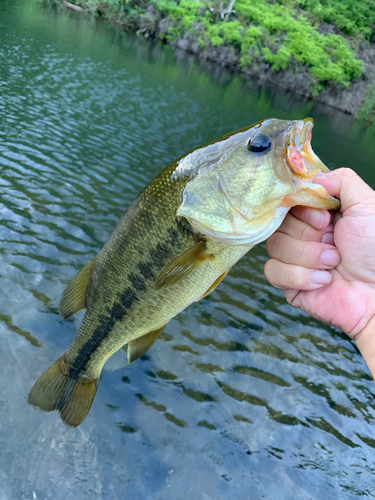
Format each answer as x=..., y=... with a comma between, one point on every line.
x=283, y=34
x=353, y=17
x=366, y=112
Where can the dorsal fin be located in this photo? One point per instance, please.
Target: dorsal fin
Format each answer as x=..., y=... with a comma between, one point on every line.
x=137, y=347
x=73, y=298
x=183, y=265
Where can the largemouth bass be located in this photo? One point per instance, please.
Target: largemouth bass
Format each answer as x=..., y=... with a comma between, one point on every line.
x=173, y=246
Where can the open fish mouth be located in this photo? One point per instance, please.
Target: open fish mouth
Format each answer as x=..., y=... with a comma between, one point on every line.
x=300, y=157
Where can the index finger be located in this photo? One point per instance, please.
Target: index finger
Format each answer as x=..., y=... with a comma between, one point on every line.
x=346, y=185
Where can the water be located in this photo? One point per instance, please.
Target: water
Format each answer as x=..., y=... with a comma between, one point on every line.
x=243, y=396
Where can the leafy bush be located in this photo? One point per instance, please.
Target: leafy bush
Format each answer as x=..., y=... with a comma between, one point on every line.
x=275, y=31
x=351, y=16
x=282, y=33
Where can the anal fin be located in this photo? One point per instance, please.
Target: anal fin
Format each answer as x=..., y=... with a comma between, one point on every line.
x=183, y=265
x=214, y=284
x=137, y=347
x=73, y=298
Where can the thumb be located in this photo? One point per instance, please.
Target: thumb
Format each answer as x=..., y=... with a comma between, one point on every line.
x=346, y=185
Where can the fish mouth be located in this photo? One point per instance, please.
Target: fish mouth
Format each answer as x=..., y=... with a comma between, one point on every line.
x=300, y=157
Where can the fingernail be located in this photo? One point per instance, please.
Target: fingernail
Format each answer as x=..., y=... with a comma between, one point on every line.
x=330, y=258
x=319, y=174
x=321, y=277
x=328, y=238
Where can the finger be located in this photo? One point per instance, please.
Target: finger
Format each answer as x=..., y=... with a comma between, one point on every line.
x=311, y=254
x=288, y=276
x=346, y=185
x=302, y=231
x=290, y=294
x=328, y=238
x=318, y=219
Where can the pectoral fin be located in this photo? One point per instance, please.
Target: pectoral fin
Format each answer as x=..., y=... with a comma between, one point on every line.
x=183, y=265
x=314, y=196
x=73, y=298
x=137, y=347
x=215, y=284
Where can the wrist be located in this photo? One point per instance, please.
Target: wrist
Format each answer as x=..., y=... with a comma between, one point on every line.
x=365, y=341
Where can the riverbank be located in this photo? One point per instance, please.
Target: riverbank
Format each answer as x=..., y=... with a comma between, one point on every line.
x=325, y=53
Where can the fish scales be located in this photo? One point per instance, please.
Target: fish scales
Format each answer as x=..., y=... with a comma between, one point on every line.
x=174, y=244
x=129, y=305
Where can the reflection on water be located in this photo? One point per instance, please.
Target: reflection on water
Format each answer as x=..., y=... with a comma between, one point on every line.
x=243, y=396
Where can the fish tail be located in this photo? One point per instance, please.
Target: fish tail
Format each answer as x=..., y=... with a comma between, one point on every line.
x=57, y=390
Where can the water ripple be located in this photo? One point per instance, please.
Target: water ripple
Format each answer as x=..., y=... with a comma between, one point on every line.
x=241, y=386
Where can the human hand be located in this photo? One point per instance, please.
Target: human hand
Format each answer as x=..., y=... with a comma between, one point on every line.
x=329, y=270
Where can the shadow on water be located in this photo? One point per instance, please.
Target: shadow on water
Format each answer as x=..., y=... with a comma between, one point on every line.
x=241, y=387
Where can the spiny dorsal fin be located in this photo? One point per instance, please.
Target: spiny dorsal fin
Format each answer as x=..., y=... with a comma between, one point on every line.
x=137, y=347
x=73, y=298
x=215, y=284
x=183, y=265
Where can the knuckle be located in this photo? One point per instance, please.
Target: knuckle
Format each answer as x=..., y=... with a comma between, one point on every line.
x=348, y=175
x=274, y=243
x=305, y=232
x=269, y=243
x=299, y=251
x=292, y=276
x=347, y=172
x=308, y=233
x=296, y=277
x=268, y=269
x=273, y=273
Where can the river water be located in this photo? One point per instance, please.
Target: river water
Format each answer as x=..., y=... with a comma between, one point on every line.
x=243, y=396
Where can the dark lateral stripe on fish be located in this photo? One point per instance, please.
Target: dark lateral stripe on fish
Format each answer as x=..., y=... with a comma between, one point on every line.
x=146, y=270
x=160, y=255
x=173, y=233
x=137, y=281
x=87, y=350
x=117, y=312
x=163, y=252
x=128, y=297
x=103, y=330
x=184, y=226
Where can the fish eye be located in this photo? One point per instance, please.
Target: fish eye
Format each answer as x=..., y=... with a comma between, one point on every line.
x=260, y=143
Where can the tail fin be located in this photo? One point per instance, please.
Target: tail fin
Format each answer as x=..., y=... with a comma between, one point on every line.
x=72, y=397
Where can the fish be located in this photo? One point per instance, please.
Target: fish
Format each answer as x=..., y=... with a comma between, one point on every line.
x=173, y=246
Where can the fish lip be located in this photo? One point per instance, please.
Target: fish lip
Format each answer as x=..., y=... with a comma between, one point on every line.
x=302, y=133
x=300, y=156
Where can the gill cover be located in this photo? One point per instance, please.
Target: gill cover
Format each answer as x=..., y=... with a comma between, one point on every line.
x=206, y=204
